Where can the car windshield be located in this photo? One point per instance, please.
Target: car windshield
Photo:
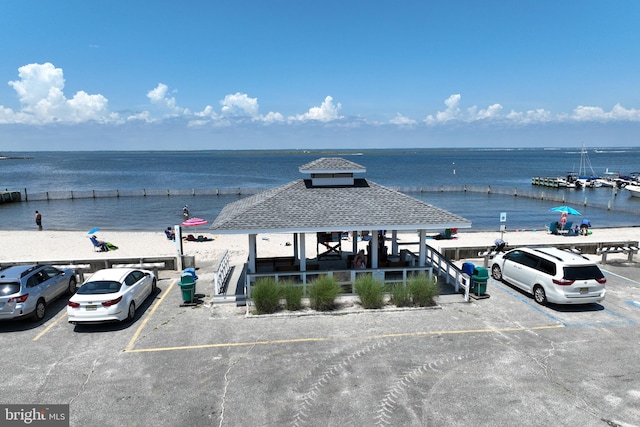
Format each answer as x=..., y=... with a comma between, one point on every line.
x=583, y=272
x=99, y=287
x=9, y=288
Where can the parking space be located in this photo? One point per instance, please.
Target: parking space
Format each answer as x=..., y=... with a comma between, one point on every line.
x=162, y=322
x=205, y=365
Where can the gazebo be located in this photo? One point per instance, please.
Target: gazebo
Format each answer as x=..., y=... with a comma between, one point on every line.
x=328, y=201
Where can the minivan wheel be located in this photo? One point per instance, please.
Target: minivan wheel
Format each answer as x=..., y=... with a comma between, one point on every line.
x=539, y=295
x=496, y=273
x=40, y=311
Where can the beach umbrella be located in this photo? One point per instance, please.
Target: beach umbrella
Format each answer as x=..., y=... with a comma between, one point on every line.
x=566, y=209
x=194, y=222
x=93, y=230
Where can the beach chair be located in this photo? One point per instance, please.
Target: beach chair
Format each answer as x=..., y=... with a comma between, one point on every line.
x=97, y=246
x=552, y=228
x=566, y=229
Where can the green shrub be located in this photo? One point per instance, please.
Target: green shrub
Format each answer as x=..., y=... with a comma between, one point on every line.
x=292, y=295
x=400, y=296
x=323, y=292
x=370, y=291
x=266, y=295
x=423, y=290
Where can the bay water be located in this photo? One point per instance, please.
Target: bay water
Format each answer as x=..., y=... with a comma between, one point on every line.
x=436, y=176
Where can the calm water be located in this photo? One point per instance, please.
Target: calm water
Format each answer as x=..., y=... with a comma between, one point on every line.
x=77, y=171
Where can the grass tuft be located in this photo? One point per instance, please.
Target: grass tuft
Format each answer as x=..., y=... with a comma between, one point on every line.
x=323, y=292
x=423, y=290
x=266, y=295
x=292, y=295
x=370, y=291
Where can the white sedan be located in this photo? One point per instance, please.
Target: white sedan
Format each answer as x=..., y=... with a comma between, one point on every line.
x=112, y=294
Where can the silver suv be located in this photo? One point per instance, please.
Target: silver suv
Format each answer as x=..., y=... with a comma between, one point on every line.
x=551, y=275
x=25, y=290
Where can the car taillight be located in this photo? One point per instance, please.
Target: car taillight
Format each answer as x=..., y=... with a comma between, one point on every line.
x=601, y=280
x=73, y=304
x=112, y=302
x=563, y=282
x=19, y=299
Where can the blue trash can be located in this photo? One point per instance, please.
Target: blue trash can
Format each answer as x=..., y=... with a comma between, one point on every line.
x=468, y=268
x=191, y=271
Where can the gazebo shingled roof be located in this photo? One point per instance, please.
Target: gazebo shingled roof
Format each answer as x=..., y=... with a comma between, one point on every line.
x=300, y=207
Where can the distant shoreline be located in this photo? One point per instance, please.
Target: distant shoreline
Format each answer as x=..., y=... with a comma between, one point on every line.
x=15, y=158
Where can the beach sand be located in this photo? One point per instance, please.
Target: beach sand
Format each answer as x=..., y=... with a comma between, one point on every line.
x=43, y=246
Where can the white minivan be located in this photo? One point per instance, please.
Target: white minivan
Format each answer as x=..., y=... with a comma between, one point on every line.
x=551, y=275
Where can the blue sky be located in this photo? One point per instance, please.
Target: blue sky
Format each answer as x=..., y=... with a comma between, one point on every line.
x=240, y=74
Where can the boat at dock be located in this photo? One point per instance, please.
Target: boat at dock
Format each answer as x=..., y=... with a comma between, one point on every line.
x=587, y=178
x=584, y=178
x=633, y=189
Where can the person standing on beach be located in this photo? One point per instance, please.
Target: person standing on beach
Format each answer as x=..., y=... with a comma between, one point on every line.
x=563, y=220
x=39, y=220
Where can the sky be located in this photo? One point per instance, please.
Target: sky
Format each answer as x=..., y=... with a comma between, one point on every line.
x=255, y=74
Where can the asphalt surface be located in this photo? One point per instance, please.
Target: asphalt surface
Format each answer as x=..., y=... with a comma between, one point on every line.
x=499, y=361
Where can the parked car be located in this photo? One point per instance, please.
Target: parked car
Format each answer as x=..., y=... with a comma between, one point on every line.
x=26, y=290
x=551, y=275
x=112, y=294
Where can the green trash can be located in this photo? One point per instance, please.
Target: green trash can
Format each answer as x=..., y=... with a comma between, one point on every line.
x=188, y=287
x=480, y=278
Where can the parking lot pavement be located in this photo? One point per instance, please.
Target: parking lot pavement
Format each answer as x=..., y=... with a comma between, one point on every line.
x=499, y=361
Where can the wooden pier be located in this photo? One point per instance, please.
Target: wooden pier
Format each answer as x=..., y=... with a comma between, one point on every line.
x=545, y=182
x=10, y=196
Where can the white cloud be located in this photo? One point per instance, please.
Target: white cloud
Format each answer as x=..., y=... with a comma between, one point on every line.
x=239, y=105
x=326, y=112
x=40, y=91
x=272, y=117
x=235, y=108
x=144, y=116
x=452, y=112
x=539, y=115
x=159, y=97
x=399, y=119
x=491, y=112
x=582, y=113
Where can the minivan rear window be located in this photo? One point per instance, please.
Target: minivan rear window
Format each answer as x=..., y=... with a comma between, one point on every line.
x=547, y=267
x=583, y=272
x=9, y=288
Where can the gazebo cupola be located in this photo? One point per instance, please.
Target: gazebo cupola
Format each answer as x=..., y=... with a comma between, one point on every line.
x=332, y=172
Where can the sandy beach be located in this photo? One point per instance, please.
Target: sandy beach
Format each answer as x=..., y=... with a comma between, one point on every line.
x=34, y=246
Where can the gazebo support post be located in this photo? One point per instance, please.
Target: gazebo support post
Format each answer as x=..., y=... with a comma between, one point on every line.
x=374, y=248
x=303, y=251
x=394, y=242
x=354, y=242
x=252, y=253
x=423, y=248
